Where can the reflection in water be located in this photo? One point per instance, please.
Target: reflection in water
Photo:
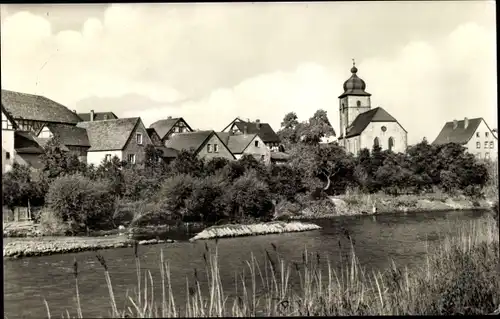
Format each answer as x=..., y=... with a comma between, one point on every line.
x=377, y=240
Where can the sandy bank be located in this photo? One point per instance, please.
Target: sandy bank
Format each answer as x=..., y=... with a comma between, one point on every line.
x=59, y=245
x=234, y=230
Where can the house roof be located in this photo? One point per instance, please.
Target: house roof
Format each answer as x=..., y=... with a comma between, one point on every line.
x=109, y=134
x=70, y=134
x=360, y=123
x=460, y=134
x=26, y=143
x=264, y=130
x=189, y=140
x=98, y=116
x=36, y=107
x=163, y=127
x=236, y=143
x=43, y=143
x=168, y=152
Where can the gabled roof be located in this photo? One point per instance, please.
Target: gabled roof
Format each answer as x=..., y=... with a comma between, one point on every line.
x=152, y=133
x=163, y=127
x=238, y=143
x=69, y=134
x=189, y=140
x=110, y=134
x=460, y=134
x=26, y=143
x=37, y=108
x=264, y=130
x=360, y=123
x=98, y=116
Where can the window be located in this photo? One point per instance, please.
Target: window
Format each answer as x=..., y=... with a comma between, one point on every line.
x=478, y=155
x=131, y=158
x=383, y=128
x=6, y=124
x=107, y=158
x=7, y=155
x=256, y=143
x=216, y=148
x=486, y=144
x=358, y=103
x=478, y=134
x=391, y=143
x=376, y=142
x=487, y=134
x=486, y=155
x=491, y=145
x=138, y=137
x=478, y=144
x=209, y=148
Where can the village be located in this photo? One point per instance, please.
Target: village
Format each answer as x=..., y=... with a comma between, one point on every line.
x=29, y=121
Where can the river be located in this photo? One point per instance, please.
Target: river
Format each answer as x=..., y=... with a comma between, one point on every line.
x=401, y=237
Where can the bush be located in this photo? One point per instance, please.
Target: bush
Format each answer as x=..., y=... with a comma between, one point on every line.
x=206, y=201
x=173, y=194
x=52, y=224
x=81, y=202
x=249, y=197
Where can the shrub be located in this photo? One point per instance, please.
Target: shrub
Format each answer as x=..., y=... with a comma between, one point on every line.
x=248, y=196
x=81, y=202
x=173, y=194
x=206, y=201
x=52, y=224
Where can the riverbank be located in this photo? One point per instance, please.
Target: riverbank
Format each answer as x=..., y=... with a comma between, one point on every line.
x=236, y=230
x=376, y=204
x=27, y=247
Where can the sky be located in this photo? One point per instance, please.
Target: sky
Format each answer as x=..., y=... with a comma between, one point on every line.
x=424, y=62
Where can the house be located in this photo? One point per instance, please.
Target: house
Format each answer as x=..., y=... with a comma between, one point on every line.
x=264, y=130
x=28, y=114
x=73, y=138
x=124, y=138
x=97, y=116
x=167, y=127
x=474, y=134
x=168, y=154
x=364, y=127
x=205, y=144
x=241, y=144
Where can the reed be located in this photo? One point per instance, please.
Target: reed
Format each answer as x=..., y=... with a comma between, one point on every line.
x=461, y=276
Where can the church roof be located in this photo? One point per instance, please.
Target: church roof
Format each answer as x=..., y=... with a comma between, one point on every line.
x=360, y=123
x=354, y=85
x=460, y=134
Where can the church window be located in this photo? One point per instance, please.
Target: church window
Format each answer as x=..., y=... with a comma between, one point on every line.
x=478, y=144
x=358, y=103
x=376, y=142
x=383, y=128
x=391, y=143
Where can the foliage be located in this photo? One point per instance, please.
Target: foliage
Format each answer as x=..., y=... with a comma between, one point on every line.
x=52, y=224
x=173, y=194
x=187, y=162
x=206, y=201
x=19, y=187
x=57, y=161
x=81, y=202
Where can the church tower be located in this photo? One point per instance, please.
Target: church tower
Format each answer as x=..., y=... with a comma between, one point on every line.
x=354, y=101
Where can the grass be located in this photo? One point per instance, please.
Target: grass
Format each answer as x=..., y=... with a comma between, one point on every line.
x=462, y=276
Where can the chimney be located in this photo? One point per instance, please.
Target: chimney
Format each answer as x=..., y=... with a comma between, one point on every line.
x=91, y=115
x=455, y=124
x=245, y=130
x=257, y=121
x=74, y=111
x=466, y=122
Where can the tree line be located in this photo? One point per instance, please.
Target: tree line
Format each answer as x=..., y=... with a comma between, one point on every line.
x=189, y=188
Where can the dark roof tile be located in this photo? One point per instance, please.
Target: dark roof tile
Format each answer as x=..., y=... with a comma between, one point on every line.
x=360, y=123
x=98, y=116
x=187, y=141
x=70, y=134
x=236, y=143
x=460, y=134
x=38, y=108
x=264, y=130
x=110, y=134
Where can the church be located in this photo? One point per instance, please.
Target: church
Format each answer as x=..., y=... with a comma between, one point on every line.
x=364, y=127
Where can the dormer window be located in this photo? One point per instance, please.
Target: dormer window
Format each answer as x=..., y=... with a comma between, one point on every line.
x=138, y=137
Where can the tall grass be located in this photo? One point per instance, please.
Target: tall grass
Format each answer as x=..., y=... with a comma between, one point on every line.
x=461, y=276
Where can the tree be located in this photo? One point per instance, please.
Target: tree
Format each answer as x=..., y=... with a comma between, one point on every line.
x=17, y=187
x=206, y=201
x=318, y=127
x=215, y=164
x=173, y=194
x=58, y=161
x=285, y=182
x=112, y=172
x=289, y=129
x=187, y=162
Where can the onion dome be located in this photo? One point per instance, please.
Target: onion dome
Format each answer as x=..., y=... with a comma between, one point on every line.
x=354, y=85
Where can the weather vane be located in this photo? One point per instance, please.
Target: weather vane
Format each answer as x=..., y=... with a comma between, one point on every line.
x=353, y=62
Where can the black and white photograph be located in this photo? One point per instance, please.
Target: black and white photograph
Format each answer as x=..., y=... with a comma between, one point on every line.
x=249, y=159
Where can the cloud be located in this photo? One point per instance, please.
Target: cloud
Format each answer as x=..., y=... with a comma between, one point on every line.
x=212, y=62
